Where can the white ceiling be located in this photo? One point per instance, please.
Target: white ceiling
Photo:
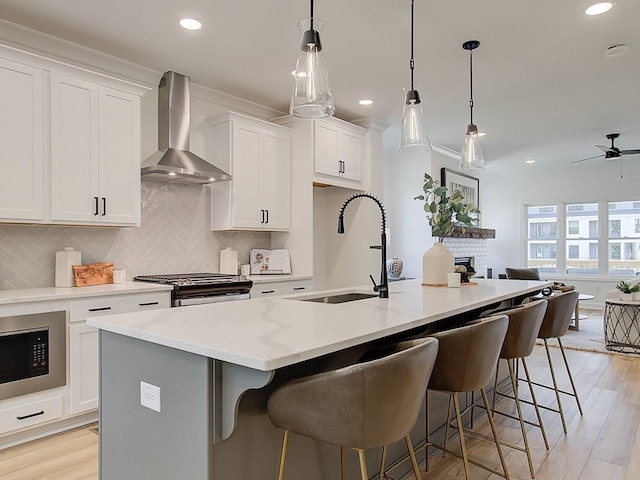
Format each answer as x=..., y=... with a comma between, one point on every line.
x=542, y=86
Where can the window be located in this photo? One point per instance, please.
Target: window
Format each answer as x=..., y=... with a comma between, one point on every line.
x=568, y=238
x=574, y=227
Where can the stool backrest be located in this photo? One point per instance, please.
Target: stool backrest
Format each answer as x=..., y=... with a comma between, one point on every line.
x=522, y=273
x=365, y=405
x=557, y=318
x=524, y=325
x=468, y=355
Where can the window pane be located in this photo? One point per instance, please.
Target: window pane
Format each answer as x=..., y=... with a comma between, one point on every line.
x=542, y=245
x=624, y=224
x=581, y=230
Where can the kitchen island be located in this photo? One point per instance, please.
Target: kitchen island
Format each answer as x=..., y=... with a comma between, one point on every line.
x=216, y=364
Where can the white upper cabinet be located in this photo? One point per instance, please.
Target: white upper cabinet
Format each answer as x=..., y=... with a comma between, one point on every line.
x=70, y=153
x=95, y=153
x=338, y=153
x=21, y=142
x=257, y=154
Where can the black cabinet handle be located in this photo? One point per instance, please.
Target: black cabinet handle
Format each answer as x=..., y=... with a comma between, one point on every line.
x=24, y=417
x=96, y=212
x=268, y=291
x=262, y=213
x=147, y=304
x=99, y=309
x=104, y=206
x=267, y=216
x=299, y=288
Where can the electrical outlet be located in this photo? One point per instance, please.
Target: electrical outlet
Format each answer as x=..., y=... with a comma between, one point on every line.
x=150, y=396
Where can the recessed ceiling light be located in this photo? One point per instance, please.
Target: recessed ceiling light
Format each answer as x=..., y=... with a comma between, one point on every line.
x=365, y=102
x=190, y=24
x=530, y=161
x=616, y=51
x=599, y=8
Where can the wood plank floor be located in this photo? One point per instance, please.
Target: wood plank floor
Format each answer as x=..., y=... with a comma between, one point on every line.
x=604, y=443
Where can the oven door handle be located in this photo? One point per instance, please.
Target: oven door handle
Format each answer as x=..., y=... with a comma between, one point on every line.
x=183, y=302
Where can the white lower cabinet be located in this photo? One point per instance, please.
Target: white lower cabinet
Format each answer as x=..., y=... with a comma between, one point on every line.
x=288, y=287
x=83, y=341
x=31, y=414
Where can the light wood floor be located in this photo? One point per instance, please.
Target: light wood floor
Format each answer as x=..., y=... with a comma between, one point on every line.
x=602, y=444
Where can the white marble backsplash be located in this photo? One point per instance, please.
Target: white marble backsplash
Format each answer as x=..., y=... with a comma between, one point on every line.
x=174, y=237
x=470, y=247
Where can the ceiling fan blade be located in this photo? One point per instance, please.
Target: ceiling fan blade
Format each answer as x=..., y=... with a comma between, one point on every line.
x=629, y=152
x=603, y=148
x=585, y=159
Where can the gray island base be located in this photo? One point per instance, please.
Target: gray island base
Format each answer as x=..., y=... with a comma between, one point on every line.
x=216, y=365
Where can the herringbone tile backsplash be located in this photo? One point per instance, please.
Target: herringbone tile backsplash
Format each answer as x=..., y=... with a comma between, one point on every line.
x=174, y=237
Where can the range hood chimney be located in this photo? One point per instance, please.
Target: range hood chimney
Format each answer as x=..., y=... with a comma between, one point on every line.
x=173, y=162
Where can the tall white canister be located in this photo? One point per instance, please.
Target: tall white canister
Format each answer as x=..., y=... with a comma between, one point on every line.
x=229, y=261
x=65, y=259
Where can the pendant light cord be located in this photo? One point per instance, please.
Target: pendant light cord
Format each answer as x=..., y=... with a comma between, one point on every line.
x=471, y=83
x=411, y=62
x=311, y=1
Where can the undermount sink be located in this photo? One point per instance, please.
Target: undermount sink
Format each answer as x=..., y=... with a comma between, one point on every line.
x=340, y=298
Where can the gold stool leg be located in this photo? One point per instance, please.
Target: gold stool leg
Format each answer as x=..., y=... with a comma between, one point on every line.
x=452, y=396
x=463, y=445
x=493, y=430
x=283, y=454
x=363, y=464
x=555, y=387
x=414, y=462
x=383, y=463
x=426, y=430
x=535, y=404
x=519, y=410
x=343, y=468
x=573, y=386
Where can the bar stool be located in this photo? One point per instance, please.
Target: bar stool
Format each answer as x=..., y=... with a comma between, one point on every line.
x=524, y=325
x=555, y=324
x=366, y=405
x=466, y=362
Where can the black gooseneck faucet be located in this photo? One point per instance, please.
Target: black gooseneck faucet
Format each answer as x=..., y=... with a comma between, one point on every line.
x=383, y=287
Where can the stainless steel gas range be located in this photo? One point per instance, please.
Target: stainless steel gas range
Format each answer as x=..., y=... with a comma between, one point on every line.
x=200, y=288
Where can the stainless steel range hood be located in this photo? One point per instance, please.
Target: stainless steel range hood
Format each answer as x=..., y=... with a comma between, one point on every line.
x=173, y=162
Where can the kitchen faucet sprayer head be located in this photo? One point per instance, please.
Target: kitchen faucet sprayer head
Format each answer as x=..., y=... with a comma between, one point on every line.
x=341, y=223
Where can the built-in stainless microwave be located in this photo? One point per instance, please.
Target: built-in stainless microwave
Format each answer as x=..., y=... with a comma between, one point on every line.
x=32, y=353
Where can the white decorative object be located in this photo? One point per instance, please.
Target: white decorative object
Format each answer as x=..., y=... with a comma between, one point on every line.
x=65, y=259
x=229, y=261
x=636, y=297
x=119, y=275
x=627, y=297
x=453, y=280
x=394, y=267
x=437, y=262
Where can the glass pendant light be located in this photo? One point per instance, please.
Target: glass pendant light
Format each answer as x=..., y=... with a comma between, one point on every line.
x=471, y=152
x=414, y=136
x=312, y=96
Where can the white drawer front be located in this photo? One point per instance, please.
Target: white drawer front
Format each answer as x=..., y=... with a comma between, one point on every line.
x=109, y=305
x=30, y=414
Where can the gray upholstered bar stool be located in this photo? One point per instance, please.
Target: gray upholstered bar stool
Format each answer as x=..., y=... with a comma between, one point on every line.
x=524, y=325
x=555, y=324
x=466, y=362
x=366, y=405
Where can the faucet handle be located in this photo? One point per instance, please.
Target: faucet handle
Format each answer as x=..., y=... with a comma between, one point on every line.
x=376, y=287
x=375, y=247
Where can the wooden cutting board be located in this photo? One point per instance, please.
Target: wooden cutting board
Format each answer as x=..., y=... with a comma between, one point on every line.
x=93, y=274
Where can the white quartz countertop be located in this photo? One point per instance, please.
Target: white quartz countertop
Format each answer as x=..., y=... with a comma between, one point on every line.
x=269, y=333
x=277, y=278
x=26, y=295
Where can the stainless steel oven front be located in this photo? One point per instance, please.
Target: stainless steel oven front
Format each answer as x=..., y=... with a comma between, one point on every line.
x=32, y=353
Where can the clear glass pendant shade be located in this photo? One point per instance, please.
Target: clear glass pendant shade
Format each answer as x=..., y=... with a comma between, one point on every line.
x=472, y=158
x=414, y=136
x=312, y=96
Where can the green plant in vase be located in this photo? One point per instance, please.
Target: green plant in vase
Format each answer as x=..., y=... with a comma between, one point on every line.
x=627, y=290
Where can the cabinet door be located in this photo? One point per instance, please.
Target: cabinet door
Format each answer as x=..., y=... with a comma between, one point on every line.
x=326, y=150
x=276, y=180
x=248, y=211
x=83, y=368
x=119, y=173
x=350, y=153
x=21, y=140
x=74, y=150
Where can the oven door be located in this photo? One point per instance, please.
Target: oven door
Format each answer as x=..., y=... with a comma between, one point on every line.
x=32, y=353
x=183, y=302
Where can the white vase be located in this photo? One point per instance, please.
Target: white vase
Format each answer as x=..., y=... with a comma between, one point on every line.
x=636, y=296
x=626, y=297
x=437, y=262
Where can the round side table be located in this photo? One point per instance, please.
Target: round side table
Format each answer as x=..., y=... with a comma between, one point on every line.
x=622, y=326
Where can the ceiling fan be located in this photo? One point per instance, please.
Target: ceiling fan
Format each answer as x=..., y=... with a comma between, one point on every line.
x=610, y=152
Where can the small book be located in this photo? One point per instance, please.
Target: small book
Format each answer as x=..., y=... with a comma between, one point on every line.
x=270, y=262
